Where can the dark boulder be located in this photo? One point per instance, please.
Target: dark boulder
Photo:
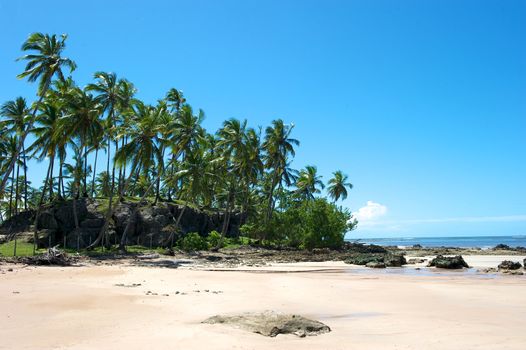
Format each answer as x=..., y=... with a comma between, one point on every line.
x=92, y=223
x=46, y=220
x=502, y=247
x=509, y=265
x=64, y=214
x=394, y=260
x=448, y=262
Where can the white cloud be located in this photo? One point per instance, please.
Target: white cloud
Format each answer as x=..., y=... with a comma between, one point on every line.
x=378, y=225
x=370, y=212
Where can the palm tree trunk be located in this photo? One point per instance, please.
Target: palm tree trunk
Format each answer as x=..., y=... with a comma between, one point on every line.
x=22, y=139
x=25, y=176
x=61, y=190
x=172, y=234
x=226, y=220
x=94, y=172
x=246, y=202
x=76, y=184
x=270, y=203
x=11, y=194
x=51, y=178
x=108, y=160
x=121, y=175
x=39, y=206
x=125, y=141
x=85, y=191
x=16, y=187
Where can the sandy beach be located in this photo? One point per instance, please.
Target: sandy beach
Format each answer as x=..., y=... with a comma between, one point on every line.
x=130, y=307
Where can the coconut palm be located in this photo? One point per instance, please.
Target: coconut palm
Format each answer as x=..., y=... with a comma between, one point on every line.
x=126, y=117
x=175, y=99
x=107, y=89
x=103, y=184
x=142, y=152
x=47, y=138
x=338, y=185
x=43, y=64
x=194, y=175
x=81, y=122
x=308, y=183
x=15, y=115
x=278, y=147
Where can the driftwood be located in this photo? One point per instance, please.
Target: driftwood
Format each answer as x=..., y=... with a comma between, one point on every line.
x=53, y=256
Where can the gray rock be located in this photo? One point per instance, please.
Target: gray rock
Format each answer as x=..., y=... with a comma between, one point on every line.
x=46, y=220
x=271, y=324
x=449, y=262
x=394, y=260
x=509, y=265
x=92, y=223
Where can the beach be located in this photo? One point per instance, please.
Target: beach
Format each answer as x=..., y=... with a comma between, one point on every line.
x=124, y=306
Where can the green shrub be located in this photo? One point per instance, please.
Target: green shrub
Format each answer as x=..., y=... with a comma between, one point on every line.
x=324, y=224
x=193, y=242
x=309, y=224
x=214, y=238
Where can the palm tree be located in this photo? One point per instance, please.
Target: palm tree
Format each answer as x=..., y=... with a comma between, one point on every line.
x=251, y=168
x=42, y=65
x=107, y=89
x=82, y=121
x=126, y=115
x=195, y=172
x=231, y=147
x=308, y=182
x=175, y=99
x=97, y=143
x=16, y=114
x=103, y=184
x=187, y=134
x=142, y=152
x=47, y=137
x=338, y=186
x=46, y=145
x=278, y=146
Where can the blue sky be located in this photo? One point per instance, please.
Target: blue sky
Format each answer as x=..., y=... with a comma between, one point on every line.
x=422, y=103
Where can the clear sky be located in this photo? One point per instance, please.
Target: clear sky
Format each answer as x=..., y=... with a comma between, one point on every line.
x=422, y=103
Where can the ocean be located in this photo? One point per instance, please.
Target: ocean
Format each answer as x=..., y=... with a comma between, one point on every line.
x=461, y=242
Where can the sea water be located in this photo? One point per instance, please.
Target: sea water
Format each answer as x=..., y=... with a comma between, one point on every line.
x=461, y=242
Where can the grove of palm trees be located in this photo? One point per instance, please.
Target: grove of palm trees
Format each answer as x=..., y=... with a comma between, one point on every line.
x=103, y=145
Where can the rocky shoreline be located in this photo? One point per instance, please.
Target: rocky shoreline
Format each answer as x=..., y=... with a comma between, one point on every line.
x=369, y=256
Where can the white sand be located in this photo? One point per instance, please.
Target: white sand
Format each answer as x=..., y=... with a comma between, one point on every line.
x=81, y=308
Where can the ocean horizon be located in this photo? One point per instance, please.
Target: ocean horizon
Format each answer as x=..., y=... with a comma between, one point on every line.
x=461, y=242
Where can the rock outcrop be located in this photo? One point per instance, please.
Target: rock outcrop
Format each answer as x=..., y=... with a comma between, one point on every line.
x=151, y=226
x=376, y=260
x=271, y=324
x=449, y=262
x=509, y=265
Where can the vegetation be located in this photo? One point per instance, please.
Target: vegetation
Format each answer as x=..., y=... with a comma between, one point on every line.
x=156, y=153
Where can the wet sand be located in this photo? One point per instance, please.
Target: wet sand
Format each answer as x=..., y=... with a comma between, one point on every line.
x=98, y=307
